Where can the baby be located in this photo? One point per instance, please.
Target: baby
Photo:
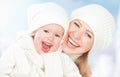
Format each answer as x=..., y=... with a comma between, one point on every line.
x=29, y=57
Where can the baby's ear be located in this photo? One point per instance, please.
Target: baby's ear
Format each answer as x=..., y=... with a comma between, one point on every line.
x=33, y=33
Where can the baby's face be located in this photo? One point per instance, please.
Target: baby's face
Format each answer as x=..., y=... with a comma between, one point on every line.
x=48, y=37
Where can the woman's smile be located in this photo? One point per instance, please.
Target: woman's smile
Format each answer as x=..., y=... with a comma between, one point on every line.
x=72, y=43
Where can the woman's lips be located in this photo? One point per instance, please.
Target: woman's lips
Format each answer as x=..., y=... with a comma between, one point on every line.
x=46, y=46
x=71, y=43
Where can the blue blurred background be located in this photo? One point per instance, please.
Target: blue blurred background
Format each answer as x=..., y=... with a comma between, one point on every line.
x=13, y=18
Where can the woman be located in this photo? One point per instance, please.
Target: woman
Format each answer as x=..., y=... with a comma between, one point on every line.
x=91, y=29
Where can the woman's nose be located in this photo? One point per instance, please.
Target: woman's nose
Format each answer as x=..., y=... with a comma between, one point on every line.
x=78, y=34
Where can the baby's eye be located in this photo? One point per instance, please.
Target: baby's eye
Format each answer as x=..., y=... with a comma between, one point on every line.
x=57, y=35
x=46, y=31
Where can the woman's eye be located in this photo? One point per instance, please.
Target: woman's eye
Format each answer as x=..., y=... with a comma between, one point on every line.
x=76, y=24
x=89, y=35
x=57, y=35
x=46, y=31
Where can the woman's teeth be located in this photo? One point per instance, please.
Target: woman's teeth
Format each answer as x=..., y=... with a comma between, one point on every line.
x=72, y=42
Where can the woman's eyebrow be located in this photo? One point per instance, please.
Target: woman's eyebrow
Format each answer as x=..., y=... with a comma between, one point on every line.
x=80, y=23
x=90, y=32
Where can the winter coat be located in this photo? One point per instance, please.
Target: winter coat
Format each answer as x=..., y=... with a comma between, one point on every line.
x=22, y=60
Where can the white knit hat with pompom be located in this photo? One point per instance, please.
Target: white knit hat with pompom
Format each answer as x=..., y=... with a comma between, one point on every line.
x=100, y=21
x=46, y=13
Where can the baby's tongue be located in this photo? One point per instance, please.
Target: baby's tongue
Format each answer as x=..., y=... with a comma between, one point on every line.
x=45, y=48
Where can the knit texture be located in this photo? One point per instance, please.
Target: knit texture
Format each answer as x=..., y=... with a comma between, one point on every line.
x=100, y=21
x=46, y=13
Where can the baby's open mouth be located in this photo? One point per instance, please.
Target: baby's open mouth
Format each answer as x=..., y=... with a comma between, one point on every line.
x=46, y=46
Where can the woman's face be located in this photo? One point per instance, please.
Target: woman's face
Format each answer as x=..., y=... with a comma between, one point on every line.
x=79, y=38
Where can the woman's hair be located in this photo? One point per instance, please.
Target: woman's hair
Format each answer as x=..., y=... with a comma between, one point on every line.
x=83, y=65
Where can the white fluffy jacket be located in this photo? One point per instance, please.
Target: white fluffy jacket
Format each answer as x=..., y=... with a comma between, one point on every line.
x=22, y=60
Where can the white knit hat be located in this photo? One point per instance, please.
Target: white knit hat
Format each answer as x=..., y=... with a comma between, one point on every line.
x=100, y=21
x=46, y=13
